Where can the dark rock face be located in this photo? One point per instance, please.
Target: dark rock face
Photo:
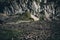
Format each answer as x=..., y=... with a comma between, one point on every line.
x=1, y=22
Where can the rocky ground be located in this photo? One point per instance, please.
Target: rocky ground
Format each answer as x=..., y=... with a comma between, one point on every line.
x=31, y=31
x=40, y=30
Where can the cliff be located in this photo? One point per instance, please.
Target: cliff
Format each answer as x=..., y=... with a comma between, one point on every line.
x=35, y=7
